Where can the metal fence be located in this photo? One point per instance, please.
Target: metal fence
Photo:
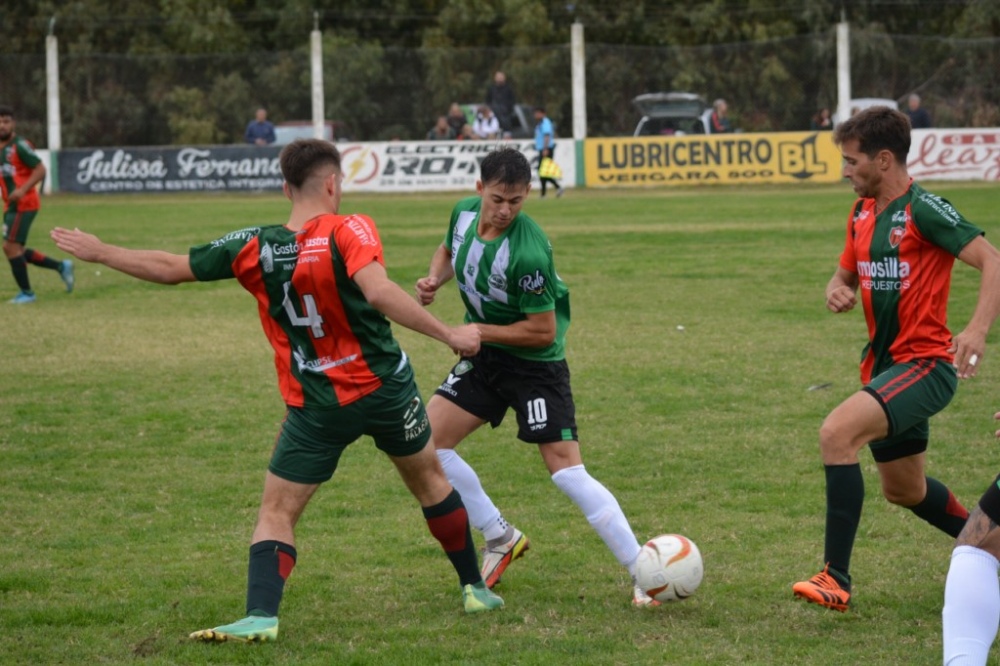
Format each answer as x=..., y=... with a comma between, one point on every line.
x=378, y=93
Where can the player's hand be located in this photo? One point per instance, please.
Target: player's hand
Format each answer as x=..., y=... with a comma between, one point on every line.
x=841, y=299
x=968, y=348
x=15, y=195
x=997, y=417
x=426, y=289
x=78, y=243
x=464, y=340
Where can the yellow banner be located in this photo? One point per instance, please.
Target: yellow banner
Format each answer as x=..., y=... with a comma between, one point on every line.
x=786, y=157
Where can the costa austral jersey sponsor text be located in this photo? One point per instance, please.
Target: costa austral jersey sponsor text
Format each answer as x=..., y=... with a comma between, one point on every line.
x=903, y=258
x=17, y=160
x=330, y=346
x=504, y=279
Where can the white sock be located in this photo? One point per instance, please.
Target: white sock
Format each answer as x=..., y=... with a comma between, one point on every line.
x=971, y=607
x=483, y=513
x=602, y=512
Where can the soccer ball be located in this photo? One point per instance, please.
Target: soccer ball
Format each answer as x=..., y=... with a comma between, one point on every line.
x=669, y=567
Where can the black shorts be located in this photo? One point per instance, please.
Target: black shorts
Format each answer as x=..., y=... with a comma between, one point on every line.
x=487, y=384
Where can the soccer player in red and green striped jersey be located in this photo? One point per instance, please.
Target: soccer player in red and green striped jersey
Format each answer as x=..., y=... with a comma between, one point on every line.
x=21, y=170
x=323, y=297
x=900, y=247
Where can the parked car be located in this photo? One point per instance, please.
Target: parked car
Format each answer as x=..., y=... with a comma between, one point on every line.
x=303, y=129
x=672, y=114
x=862, y=103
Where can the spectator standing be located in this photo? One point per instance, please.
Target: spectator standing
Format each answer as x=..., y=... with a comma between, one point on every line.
x=341, y=371
x=441, y=131
x=545, y=145
x=719, y=120
x=487, y=125
x=21, y=169
x=260, y=130
x=919, y=117
x=500, y=97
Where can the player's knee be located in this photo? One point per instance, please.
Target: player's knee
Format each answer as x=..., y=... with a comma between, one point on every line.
x=904, y=496
x=837, y=441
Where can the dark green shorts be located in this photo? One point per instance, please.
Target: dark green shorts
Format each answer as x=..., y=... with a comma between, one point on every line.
x=17, y=224
x=311, y=440
x=911, y=393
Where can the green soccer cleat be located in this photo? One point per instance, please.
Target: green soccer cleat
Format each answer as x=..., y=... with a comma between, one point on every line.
x=478, y=598
x=250, y=629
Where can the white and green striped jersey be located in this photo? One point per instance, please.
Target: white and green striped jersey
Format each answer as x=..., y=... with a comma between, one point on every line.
x=504, y=279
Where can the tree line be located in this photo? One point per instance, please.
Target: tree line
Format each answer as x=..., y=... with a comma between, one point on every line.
x=145, y=72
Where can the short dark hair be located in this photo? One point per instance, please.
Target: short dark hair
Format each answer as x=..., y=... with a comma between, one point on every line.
x=303, y=158
x=6, y=111
x=505, y=166
x=877, y=128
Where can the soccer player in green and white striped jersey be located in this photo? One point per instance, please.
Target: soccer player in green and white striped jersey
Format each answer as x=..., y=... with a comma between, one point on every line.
x=503, y=265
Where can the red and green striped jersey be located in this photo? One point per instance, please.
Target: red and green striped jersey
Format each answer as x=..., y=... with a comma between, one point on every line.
x=504, y=279
x=17, y=160
x=331, y=347
x=903, y=257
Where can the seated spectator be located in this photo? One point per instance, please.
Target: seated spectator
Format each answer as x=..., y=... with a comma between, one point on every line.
x=487, y=125
x=822, y=120
x=456, y=118
x=260, y=130
x=466, y=134
x=441, y=131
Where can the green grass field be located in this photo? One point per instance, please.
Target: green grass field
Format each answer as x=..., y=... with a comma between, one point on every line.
x=137, y=421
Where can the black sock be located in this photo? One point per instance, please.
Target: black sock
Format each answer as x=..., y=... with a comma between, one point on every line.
x=271, y=563
x=449, y=523
x=19, y=267
x=38, y=259
x=845, y=495
x=940, y=508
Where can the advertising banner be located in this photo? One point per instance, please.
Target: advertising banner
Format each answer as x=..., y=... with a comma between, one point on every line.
x=428, y=166
x=162, y=169
x=955, y=154
x=435, y=166
x=787, y=157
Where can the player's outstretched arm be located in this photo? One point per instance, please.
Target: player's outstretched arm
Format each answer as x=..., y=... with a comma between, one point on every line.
x=389, y=298
x=150, y=265
x=439, y=272
x=969, y=345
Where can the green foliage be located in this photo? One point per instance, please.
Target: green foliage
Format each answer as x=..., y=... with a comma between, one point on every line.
x=189, y=118
x=137, y=421
x=400, y=63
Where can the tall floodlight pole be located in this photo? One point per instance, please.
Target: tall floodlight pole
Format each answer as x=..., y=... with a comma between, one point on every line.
x=52, y=87
x=843, y=69
x=316, y=70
